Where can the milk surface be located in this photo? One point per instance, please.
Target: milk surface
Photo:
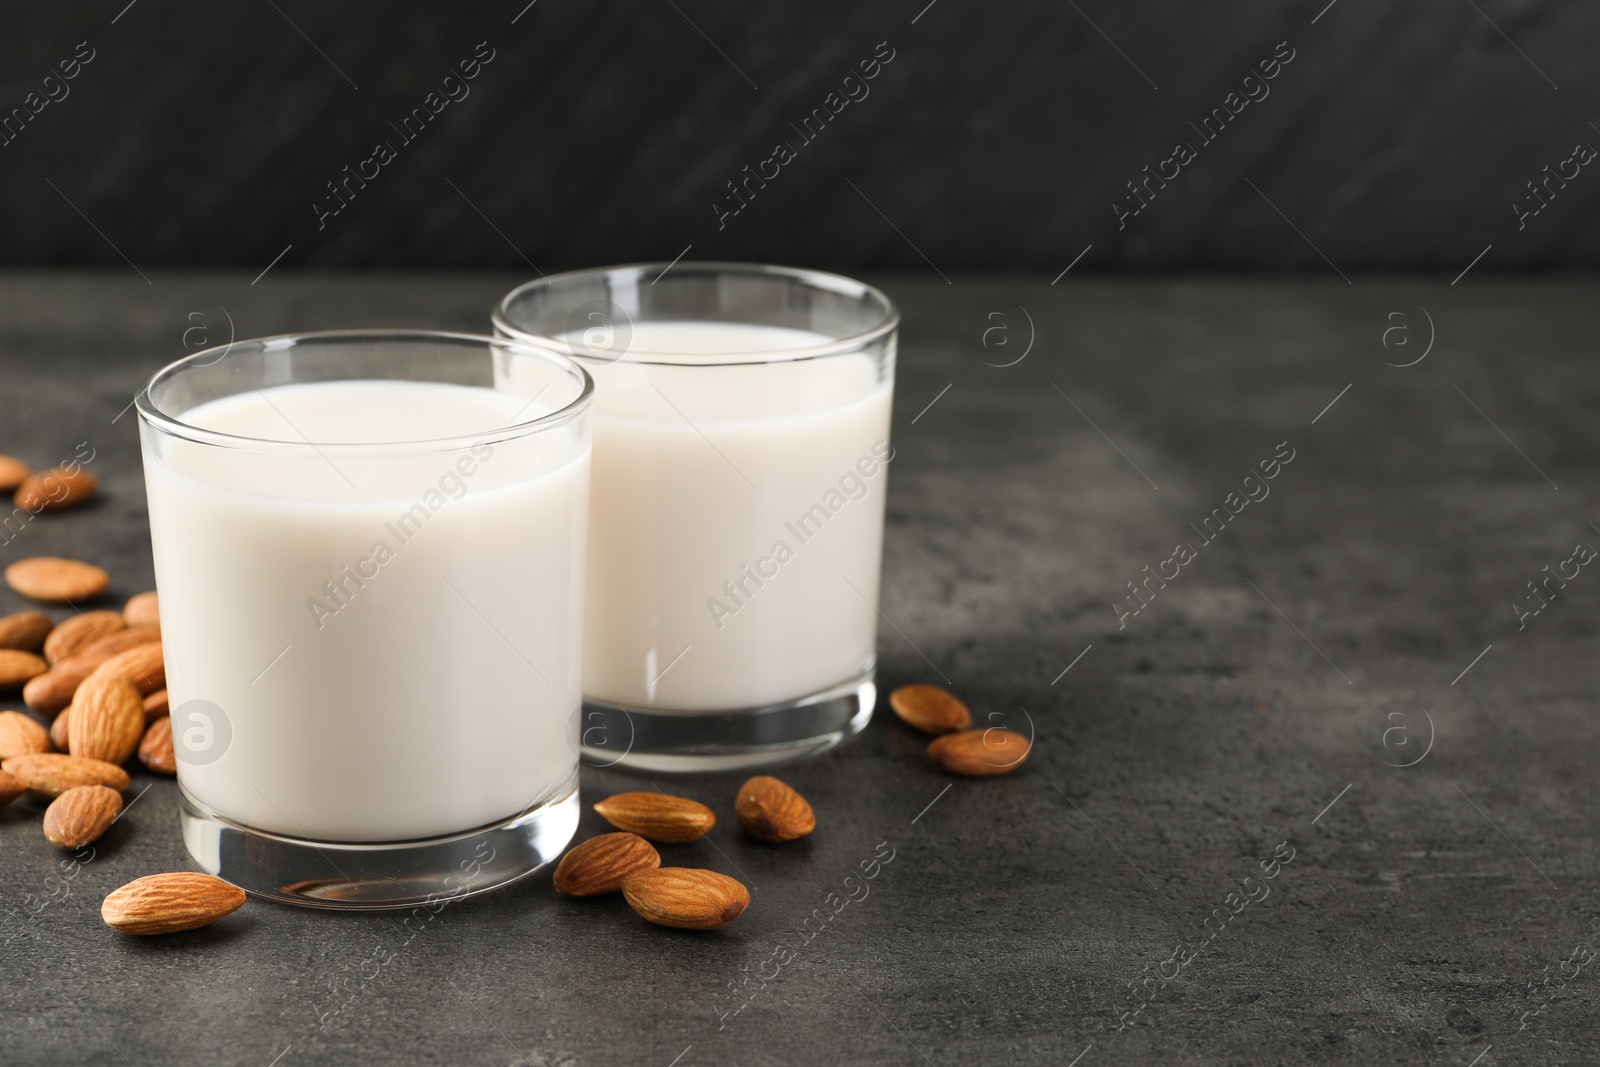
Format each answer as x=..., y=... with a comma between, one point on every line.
x=736, y=519
x=394, y=639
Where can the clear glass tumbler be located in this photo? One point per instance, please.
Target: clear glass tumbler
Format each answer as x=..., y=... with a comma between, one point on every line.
x=370, y=563
x=741, y=446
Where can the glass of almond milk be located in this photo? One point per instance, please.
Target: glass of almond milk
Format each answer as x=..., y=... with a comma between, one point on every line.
x=741, y=452
x=370, y=555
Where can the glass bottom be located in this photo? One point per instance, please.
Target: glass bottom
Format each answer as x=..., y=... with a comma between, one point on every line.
x=398, y=874
x=676, y=742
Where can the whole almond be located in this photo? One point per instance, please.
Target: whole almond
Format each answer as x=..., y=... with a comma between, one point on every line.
x=13, y=472
x=55, y=489
x=142, y=665
x=930, y=709
x=49, y=774
x=18, y=668
x=142, y=610
x=55, y=580
x=81, y=815
x=168, y=903
x=601, y=864
x=980, y=753
x=11, y=787
x=155, y=751
x=156, y=706
x=770, y=810
x=53, y=690
x=686, y=897
x=59, y=735
x=25, y=631
x=21, y=735
x=657, y=816
x=107, y=718
x=79, y=630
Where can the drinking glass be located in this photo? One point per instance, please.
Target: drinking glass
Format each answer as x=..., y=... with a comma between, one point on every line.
x=370, y=564
x=741, y=447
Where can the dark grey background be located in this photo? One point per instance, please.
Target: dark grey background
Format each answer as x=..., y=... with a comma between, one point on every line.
x=999, y=136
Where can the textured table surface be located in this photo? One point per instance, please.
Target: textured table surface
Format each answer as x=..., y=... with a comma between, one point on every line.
x=1340, y=675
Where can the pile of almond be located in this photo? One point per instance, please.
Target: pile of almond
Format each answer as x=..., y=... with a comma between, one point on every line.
x=689, y=898
x=958, y=748
x=98, y=678
x=96, y=686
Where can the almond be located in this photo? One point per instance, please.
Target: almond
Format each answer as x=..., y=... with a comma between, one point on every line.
x=930, y=709
x=155, y=751
x=686, y=897
x=11, y=787
x=55, y=580
x=156, y=706
x=21, y=736
x=770, y=810
x=601, y=864
x=107, y=718
x=79, y=630
x=657, y=816
x=980, y=753
x=52, y=691
x=49, y=774
x=25, y=631
x=55, y=489
x=81, y=815
x=59, y=728
x=142, y=666
x=142, y=610
x=168, y=903
x=18, y=668
x=13, y=472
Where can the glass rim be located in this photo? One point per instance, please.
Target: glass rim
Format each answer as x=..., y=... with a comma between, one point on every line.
x=816, y=279
x=175, y=426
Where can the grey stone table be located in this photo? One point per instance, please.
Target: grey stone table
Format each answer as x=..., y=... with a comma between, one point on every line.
x=1327, y=797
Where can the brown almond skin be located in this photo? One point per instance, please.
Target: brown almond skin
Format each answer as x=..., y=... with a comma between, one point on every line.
x=770, y=810
x=657, y=816
x=55, y=580
x=19, y=668
x=142, y=665
x=107, y=719
x=980, y=753
x=59, y=730
x=686, y=897
x=156, y=706
x=930, y=709
x=601, y=864
x=81, y=815
x=55, y=489
x=11, y=787
x=13, y=472
x=79, y=630
x=156, y=751
x=49, y=774
x=20, y=735
x=143, y=609
x=25, y=631
x=52, y=691
x=169, y=903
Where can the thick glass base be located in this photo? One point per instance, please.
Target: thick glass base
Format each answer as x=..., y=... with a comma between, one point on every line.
x=678, y=742
x=395, y=874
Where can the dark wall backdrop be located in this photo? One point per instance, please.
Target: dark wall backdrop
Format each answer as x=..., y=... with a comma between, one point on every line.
x=1402, y=134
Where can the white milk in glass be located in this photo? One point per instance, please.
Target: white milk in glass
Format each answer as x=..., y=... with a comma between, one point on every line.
x=393, y=639
x=736, y=519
